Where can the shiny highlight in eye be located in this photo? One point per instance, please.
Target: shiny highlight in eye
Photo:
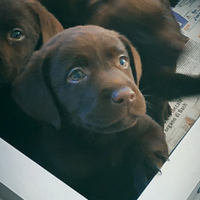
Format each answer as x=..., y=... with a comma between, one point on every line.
x=123, y=61
x=16, y=34
x=76, y=75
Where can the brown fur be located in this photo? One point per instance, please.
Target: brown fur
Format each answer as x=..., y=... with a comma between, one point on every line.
x=152, y=28
x=97, y=138
x=37, y=26
x=34, y=21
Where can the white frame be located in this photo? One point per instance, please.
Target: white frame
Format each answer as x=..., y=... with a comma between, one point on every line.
x=21, y=177
x=180, y=178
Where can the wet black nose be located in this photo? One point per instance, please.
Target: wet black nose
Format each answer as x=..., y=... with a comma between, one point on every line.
x=123, y=96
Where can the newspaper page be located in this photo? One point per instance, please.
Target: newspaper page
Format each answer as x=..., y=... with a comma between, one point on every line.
x=187, y=13
x=185, y=111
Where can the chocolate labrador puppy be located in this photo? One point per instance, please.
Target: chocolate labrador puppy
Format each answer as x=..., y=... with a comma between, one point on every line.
x=25, y=25
x=84, y=84
x=153, y=30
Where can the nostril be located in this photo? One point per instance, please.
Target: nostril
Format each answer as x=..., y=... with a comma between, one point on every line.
x=116, y=100
x=124, y=95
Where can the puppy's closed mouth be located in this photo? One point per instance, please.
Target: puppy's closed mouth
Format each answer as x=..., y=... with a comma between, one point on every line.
x=115, y=127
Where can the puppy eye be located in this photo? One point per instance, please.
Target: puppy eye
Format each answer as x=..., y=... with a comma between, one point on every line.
x=123, y=61
x=76, y=75
x=16, y=34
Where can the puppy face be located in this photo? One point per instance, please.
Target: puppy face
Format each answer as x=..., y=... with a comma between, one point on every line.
x=21, y=33
x=87, y=71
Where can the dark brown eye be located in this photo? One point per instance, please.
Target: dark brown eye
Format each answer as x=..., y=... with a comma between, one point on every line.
x=76, y=75
x=123, y=61
x=16, y=34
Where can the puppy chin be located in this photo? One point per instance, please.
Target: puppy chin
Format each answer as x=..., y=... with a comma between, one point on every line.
x=114, y=127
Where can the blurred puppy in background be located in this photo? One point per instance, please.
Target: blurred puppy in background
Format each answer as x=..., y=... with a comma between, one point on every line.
x=25, y=25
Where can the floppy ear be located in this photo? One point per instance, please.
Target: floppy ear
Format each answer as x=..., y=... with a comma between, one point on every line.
x=32, y=95
x=50, y=26
x=135, y=60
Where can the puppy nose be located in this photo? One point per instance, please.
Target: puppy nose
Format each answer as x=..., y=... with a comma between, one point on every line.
x=123, y=96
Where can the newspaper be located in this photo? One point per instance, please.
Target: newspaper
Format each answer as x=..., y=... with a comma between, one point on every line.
x=185, y=111
x=187, y=13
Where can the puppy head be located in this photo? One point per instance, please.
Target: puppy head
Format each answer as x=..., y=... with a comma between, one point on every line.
x=88, y=73
x=24, y=26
